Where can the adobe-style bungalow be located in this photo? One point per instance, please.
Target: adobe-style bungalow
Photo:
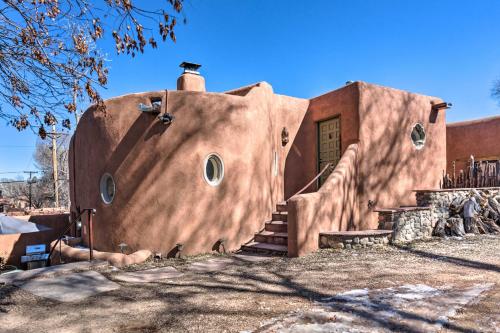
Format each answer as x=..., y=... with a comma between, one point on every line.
x=199, y=168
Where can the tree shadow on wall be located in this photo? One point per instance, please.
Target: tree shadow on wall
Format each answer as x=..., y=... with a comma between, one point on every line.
x=391, y=167
x=138, y=154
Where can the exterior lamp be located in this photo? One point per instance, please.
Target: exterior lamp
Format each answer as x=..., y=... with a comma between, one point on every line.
x=122, y=247
x=166, y=118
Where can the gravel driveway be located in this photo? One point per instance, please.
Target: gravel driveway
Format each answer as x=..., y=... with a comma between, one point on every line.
x=247, y=296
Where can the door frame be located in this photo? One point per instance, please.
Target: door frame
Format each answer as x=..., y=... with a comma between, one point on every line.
x=318, y=142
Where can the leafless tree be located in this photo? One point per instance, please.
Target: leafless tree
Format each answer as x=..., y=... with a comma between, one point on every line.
x=41, y=189
x=43, y=162
x=49, y=52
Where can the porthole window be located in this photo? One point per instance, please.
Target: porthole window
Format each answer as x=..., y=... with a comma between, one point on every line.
x=108, y=188
x=418, y=136
x=213, y=169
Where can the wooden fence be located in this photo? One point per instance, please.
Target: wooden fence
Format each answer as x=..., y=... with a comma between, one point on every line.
x=477, y=174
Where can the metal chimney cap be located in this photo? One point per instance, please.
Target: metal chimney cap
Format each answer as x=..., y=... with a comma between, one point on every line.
x=190, y=67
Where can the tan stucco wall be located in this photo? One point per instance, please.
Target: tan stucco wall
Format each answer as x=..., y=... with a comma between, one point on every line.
x=390, y=167
x=384, y=166
x=161, y=197
x=302, y=162
x=332, y=207
x=480, y=138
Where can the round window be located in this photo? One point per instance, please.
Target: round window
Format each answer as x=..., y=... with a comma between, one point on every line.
x=418, y=136
x=108, y=188
x=214, y=169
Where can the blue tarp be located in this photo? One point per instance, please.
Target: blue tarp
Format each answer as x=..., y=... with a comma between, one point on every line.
x=11, y=225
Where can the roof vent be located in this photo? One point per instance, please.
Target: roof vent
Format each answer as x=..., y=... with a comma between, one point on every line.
x=190, y=67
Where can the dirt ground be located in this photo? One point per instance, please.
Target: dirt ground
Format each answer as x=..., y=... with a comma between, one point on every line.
x=243, y=296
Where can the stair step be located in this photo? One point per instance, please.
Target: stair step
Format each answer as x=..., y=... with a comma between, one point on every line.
x=276, y=226
x=280, y=216
x=273, y=233
x=265, y=248
x=270, y=237
x=282, y=206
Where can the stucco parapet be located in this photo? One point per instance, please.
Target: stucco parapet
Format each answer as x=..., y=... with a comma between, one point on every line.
x=455, y=189
x=401, y=209
x=354, y=85
x=132, y=95
x=365, y=85
x=473, y=121
x=357, y=233
x=243, y=91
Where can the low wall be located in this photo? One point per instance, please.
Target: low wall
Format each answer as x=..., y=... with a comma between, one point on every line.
x=415, y=223
x=439, y=200
x=354, y=239
x=332, y=207
x=408, y=223
x=474, y=137
x=13, y=246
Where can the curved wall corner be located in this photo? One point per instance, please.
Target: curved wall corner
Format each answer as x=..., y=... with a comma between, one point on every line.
x=162, y=197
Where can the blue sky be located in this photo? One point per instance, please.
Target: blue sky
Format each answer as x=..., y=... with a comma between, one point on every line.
x=449, y=49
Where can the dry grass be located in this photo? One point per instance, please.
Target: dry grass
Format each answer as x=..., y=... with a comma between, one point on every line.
x=244, y=295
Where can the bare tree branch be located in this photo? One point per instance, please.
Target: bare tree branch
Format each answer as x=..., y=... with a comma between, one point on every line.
x=49, y=52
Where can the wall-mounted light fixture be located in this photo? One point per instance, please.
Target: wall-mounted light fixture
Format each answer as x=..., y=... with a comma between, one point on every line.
x=122, y=247
x=166, y=118
x=284, y=136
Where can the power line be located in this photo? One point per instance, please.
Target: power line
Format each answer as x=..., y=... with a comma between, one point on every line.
x=13, y=182
x=7, y=172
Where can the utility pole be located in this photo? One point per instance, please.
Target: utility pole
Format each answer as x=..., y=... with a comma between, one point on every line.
x=54, y=166
x=30, y=183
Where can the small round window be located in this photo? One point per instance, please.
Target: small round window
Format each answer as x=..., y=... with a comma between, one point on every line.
x=108, y=188
x=214, y=169
x=418, y=136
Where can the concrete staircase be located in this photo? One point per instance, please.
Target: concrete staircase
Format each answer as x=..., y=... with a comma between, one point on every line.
x=273, y=239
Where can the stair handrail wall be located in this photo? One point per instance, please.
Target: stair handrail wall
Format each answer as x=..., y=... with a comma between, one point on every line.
x=333, y=207
x=328, y=166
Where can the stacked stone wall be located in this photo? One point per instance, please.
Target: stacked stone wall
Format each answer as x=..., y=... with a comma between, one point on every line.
x=415, y=223
x=407, y=224
x=439, y=200
x=354, y=239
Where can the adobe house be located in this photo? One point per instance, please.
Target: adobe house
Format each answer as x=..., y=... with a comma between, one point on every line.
x=479, y=138
x=199, y=168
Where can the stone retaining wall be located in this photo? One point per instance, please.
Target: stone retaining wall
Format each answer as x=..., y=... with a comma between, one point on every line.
x=408, y=223
x=354, y=239
x=439, y=200
x=414, y=223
